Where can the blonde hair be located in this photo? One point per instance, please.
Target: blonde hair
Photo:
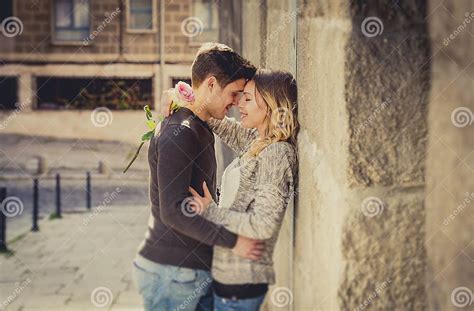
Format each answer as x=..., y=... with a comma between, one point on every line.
x=279, y=93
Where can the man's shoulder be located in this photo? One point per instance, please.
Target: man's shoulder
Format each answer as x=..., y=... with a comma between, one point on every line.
x=183, y=119
x=180, y=121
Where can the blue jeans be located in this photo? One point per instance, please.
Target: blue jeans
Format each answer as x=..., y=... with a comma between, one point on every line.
x=251, y=304
x=166, y=287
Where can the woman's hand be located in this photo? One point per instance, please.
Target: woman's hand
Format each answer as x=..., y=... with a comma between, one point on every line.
x=203, y=202
x=166, y=103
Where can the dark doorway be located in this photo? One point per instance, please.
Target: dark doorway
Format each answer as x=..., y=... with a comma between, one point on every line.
x=8, y=93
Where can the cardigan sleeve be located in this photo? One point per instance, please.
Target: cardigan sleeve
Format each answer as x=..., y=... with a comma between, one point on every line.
x=274, y=184
x=232, y=133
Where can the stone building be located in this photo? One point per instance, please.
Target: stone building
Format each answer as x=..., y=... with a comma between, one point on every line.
x=60, y=59
x=383, y=214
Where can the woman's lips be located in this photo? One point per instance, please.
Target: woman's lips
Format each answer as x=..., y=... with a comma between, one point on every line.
x=242, y=115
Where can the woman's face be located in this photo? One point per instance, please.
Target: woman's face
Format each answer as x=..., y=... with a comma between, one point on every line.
x=252, y=108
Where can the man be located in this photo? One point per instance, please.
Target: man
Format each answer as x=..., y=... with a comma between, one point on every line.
x=172, y=267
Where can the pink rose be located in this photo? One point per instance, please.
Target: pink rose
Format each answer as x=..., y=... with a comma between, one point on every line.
x=185, y=91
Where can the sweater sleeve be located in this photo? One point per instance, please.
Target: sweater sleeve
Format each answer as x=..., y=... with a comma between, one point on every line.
x=272, y=190
x=232, y=133
x=175, y=165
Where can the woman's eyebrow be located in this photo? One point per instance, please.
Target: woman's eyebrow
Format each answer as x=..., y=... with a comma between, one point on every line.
x=247, y=93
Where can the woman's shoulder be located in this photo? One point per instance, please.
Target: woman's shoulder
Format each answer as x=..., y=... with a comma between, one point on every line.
x=278, y=151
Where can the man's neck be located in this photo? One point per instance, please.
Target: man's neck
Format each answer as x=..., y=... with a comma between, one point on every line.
x=199, y=110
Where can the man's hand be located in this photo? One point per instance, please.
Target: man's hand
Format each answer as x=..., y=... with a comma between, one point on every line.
x=166, y=103
x=248, y=248
x=202, y=202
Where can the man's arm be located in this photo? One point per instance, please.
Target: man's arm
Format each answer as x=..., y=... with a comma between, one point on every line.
x=176, y=152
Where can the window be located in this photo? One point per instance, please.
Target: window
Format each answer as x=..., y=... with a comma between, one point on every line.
x=71, y=20
x=141, y=15
x=207, y=12
x=6, y=9
x=55, y=93
x=8, y=89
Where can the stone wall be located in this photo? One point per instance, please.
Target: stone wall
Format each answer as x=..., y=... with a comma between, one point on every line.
x=377, y=90
x=450, y=160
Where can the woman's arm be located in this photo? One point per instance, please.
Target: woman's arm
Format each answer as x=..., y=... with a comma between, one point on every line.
x=232, y=133
x=273, y=186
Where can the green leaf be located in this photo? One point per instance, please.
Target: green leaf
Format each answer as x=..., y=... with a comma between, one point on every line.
x=148, y=135
x=149, y=116
x=151, y=124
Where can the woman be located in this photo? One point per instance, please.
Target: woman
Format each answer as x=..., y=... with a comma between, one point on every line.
x=256, y=187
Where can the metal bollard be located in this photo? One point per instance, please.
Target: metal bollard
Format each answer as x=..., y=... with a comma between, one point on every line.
x=58, y=196
x=35, y=226
x=3, y=222
x=88, y=190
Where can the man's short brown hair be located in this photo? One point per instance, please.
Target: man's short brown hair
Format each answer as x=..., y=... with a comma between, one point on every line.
x=220, y=61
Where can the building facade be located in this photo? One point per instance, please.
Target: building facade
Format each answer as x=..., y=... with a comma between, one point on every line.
x=61, y=59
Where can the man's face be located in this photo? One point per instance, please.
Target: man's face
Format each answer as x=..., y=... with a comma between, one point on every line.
x=221, y=99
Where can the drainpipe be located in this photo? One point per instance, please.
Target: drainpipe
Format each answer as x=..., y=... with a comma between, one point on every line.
x=162, y=47
x=294, y=69
x=121, y=57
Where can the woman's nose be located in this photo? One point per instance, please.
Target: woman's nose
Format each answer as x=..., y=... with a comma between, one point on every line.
x=241, y=102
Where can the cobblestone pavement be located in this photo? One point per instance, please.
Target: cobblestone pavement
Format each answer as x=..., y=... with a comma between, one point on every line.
x=80, y=262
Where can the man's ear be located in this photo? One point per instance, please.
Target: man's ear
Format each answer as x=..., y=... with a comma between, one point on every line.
x=211, y=82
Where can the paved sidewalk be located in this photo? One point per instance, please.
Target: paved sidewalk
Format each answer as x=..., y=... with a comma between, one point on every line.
x=80, y=262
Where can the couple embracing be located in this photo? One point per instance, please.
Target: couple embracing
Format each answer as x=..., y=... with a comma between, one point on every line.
x=220, y=256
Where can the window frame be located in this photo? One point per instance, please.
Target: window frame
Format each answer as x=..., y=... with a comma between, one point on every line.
x=193, y=41
x=55, y=41
x=154, y=22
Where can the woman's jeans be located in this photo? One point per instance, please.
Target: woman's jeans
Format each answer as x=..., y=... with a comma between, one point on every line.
x=224, y=304
x=166, y=287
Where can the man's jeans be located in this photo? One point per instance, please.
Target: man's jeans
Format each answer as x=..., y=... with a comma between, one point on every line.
x=166, y=287
x=251, y=304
